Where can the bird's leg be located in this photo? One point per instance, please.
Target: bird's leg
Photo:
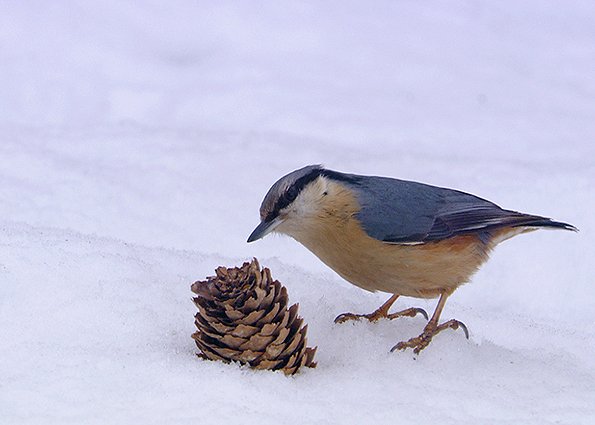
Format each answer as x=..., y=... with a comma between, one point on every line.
x=420, y=342
x=382, y=312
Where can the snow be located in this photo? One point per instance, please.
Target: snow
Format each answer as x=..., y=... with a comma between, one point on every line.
x=137, y=142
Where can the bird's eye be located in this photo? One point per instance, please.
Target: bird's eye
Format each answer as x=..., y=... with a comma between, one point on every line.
x=291, y=194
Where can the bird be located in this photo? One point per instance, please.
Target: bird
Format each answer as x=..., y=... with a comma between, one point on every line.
x=396, y=236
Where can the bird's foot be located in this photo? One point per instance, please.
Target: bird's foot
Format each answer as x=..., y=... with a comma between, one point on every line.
x=420, y=342
x=381, y=314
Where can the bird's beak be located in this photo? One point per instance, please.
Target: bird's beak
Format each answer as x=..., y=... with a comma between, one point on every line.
x=264, y=228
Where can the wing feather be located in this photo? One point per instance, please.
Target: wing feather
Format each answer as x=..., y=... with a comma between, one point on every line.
x=400, y=211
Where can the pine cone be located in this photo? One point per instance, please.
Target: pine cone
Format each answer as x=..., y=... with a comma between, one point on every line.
x=243, y=317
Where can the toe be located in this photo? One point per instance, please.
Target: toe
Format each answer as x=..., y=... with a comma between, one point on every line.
x=342, y=318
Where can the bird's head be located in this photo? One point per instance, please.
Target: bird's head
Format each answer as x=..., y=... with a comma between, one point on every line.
x=292, y=202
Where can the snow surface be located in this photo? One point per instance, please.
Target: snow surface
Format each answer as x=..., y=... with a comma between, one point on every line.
x=138, y=139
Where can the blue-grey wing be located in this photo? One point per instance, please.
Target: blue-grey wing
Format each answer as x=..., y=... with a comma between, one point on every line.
x=399, y=211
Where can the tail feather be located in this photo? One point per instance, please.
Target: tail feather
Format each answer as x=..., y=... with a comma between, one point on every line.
x=521, y=223
x=536, y=221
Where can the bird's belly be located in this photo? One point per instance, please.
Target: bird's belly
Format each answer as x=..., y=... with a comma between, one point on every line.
x=423, y=270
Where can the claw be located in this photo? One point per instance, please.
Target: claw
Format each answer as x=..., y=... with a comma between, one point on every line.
x=420, y=342
x=422, y=312
x=399, y=346
x=464, y=327
x=341, y=318
x=381, y=314
x=410, y=312
x=454, y=325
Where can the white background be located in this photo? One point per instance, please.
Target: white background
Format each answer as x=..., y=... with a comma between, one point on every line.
x=137, y=142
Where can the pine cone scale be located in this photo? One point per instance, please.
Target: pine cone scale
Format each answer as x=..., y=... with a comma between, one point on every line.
x=234, y=314
x=247, y=356
x=282, y=337
x=270, y=316
x=270, y=329
x=244, y=331
x=252, y=318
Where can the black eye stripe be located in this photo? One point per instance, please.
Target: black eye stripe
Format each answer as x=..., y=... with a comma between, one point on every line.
x=293, y=191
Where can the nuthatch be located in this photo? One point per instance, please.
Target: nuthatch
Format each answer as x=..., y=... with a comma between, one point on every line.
x=396, y=236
